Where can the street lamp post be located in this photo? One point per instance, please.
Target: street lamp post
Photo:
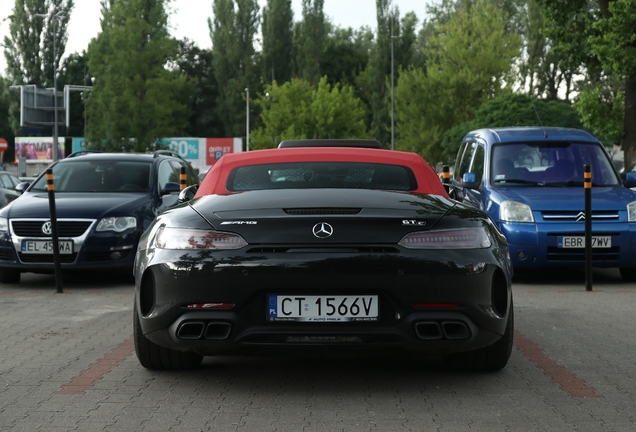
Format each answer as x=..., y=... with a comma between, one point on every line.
x=392, y=93
x=54, y=19
x=247, y=120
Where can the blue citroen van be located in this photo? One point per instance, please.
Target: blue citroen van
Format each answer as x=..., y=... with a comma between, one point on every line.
x=530, y=181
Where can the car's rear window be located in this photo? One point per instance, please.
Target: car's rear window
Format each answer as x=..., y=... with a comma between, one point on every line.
x=99, y=176
x=303, y=175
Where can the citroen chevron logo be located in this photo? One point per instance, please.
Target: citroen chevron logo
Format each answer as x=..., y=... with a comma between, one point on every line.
x=580, y=217
x=322, y=230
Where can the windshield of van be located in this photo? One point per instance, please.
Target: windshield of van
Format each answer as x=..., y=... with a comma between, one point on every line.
x=550, y=164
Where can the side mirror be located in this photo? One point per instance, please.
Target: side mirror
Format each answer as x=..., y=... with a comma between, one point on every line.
x=170, y=188
x=469, y=180
x=455, y=191
x=21, y=187
x=187, y=194
x=630, y=179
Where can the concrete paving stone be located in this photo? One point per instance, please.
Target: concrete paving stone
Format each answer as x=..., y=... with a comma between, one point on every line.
x=289, y=425
x=212, y=405
x=258, y=424
x=67, y=420
x=162, y=421
x=454, y=426
x=9, y=419
x=207, y=413
x=38, y=418
x=320, y=427
x=194, y=423
x=261, y=413
x=228, y=418
x=231, y=406
x=120, y=398
x=106, y=411
x=168, y=407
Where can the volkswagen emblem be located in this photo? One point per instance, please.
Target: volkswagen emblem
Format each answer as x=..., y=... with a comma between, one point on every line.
x=322, y=230
x=46, y=228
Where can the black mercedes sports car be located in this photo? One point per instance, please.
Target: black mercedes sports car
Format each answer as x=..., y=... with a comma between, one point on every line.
x=322, y=251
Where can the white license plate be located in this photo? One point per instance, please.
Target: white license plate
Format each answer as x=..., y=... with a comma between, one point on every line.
x=46, y=246
x=578, y=242
x=322, y=308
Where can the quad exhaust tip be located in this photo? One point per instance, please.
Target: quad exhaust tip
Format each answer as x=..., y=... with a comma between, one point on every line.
x=195, y=330
x=433, y=330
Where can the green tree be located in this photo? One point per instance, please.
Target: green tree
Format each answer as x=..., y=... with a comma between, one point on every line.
x=297, y=110
x=6, y=131
x=547, y=72
x=336, y=112
x=380, y=71
x=599, y=37
x=74, y=72
x=346, y=55
x=394, y=34
x=511, y=109
x=135, y=99
x=234, y=59
x=603, y=112
x=277, y=30
x=28, y=49
x=196, y=64
x=469, y=60
x=309, y=36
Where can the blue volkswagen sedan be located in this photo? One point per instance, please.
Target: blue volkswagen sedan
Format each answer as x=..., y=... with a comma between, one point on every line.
x=530, y=182
x=104, y=202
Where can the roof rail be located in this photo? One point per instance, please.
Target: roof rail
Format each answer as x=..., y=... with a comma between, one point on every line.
x=83, y=152
x=360, y=143
x=158, y=153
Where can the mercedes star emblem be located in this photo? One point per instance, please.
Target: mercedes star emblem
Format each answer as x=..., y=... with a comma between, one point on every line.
x=322, y=230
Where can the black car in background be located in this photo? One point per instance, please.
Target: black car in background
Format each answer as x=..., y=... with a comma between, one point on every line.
x=104, y=202
x=8, y=193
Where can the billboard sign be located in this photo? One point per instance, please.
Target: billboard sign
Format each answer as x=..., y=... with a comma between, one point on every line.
x=38, y=149
x=187, y=148
x=216, y=148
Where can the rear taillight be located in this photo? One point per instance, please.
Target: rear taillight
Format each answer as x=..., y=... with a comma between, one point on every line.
x=464, y=238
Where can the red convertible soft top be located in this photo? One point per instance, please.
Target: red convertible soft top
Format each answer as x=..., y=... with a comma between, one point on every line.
x=216, y=180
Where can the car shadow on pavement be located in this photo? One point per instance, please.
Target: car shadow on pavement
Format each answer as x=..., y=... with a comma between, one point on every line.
x=92, y=280
x=568, y=277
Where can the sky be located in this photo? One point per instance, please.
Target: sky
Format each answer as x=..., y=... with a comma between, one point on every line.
x=190, y=19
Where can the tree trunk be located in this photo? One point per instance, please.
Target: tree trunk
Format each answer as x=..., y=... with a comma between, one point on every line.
x=629, y=139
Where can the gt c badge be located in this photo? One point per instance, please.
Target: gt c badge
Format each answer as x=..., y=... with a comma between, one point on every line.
x=413, y=222
x=322, y=230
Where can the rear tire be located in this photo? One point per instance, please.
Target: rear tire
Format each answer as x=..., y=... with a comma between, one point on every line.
x=628, y=274
x=491, y=358
x=9, y=276
x=153, y=356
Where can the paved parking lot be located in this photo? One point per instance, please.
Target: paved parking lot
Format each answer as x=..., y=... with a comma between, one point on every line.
x=67, y=363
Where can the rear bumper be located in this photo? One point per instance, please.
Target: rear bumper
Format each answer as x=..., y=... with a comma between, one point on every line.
x=479, y=289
